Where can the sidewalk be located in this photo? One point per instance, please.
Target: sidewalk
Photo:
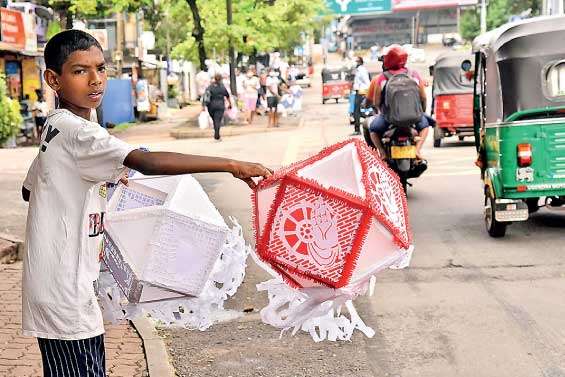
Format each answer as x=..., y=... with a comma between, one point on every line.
x=183, y=124
x=19, y=355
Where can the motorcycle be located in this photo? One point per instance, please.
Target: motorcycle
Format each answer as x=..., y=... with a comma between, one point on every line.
x=399, y=144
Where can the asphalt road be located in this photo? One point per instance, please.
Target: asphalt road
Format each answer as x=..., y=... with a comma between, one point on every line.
x=469, y=305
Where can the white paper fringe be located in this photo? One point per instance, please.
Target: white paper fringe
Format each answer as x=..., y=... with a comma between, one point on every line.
x=190, y=312
x=318, y=310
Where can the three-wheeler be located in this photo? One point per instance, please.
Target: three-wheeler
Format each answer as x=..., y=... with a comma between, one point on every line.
x=519, y=119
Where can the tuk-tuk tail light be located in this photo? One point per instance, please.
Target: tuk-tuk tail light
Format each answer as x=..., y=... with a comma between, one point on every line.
x=524, y=154
x=522, y=188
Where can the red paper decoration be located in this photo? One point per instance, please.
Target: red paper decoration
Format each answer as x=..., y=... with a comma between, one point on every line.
x=332, y=219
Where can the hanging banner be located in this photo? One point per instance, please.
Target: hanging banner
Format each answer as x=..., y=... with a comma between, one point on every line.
x=12, y=28
x=356, y=7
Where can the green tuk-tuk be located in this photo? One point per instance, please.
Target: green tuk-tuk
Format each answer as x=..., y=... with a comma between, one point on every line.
x=519, y=119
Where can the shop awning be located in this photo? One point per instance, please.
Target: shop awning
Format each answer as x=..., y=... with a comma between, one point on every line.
x=10, y=48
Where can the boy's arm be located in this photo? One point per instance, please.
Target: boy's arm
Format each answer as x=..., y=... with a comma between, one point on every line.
x=168, y=163
x=27, y=184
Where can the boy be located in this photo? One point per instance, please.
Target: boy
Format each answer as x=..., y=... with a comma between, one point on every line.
x=66, y=191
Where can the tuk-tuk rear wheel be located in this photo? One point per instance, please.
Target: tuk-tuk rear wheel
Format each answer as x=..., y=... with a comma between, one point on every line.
x=495, y=229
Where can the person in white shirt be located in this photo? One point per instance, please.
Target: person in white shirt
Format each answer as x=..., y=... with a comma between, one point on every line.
x=40, y=110
x=66, y=190
x=250, y=93
x=360, y=87
x=273, y=97
x=203, y=80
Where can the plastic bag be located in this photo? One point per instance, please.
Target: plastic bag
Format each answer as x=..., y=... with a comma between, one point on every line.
x=232, y=113
x=204, y=120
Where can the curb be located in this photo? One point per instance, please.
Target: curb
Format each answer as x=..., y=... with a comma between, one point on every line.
x=13, y=249
x=230, y=131
x=156, y=356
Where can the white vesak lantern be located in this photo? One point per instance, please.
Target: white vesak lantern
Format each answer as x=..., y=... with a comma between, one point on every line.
x=162, y=237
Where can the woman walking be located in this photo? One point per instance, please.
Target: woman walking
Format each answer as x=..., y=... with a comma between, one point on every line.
x=251, y=86
x=214, y=100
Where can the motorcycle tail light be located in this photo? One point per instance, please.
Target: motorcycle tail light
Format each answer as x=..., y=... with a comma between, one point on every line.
x=524, y=154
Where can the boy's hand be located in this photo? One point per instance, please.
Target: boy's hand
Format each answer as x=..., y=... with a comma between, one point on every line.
x=247, y=170
x=125, y=179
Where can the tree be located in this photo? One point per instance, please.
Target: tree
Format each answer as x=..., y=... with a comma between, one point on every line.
x=198, y=32
x=498, y=13
x=69, y=9
x=10, y=118
x=258, y=25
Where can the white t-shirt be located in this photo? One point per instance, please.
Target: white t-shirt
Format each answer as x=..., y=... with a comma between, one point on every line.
x=41, y=107
x=272, y=86
x=65, y=226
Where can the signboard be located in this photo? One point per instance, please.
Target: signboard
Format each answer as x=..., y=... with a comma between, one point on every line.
x=408, y=5
x=343, y=7
x=12, y=28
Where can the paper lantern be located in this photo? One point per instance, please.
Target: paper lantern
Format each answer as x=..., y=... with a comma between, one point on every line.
x=162, y=237
x=331, y=220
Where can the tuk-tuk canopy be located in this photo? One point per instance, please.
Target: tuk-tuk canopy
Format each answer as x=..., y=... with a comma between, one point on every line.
x=448, y=76
x=525, y=66
x=335, y=73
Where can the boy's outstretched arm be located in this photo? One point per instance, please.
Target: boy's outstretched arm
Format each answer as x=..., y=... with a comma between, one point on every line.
x=169, y=163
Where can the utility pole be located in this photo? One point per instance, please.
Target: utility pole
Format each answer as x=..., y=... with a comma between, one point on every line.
x=231, y=53
x=483, y=16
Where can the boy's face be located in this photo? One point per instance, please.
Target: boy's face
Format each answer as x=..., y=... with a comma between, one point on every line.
x=82, y=81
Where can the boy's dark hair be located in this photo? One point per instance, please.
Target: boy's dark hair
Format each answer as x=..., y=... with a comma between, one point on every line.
x=63, y=44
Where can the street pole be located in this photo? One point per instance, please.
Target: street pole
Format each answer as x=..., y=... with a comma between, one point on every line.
x=483, y=16
x=233, y=85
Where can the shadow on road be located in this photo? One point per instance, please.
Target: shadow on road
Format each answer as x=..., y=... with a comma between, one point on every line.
x=548, y=219
x=457, y=144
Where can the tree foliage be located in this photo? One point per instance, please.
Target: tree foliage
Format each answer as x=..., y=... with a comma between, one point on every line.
x=498, y=13
x=10, y=118
x=258, y=26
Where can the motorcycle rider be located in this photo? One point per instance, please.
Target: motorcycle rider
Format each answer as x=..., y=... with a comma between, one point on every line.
x=360, y=87
x=394, y=62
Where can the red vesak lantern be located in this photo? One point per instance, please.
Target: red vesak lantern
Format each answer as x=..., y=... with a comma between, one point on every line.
x=333, y=219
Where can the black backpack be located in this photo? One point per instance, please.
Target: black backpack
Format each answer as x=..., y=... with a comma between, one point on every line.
x=403, y=106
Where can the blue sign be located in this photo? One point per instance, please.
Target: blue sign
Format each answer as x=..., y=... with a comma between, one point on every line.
x=353, y=7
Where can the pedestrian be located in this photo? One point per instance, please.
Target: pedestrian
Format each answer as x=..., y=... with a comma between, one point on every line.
x=360, y=87
x=66, y=190
x=262, y=100
x=251, y=88
x=240, y=77
x=40, y=110
x=202, y=81
x=216, y=102
x=273, y=95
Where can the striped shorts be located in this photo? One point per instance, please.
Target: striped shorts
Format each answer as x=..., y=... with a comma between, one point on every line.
x=70, y=358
